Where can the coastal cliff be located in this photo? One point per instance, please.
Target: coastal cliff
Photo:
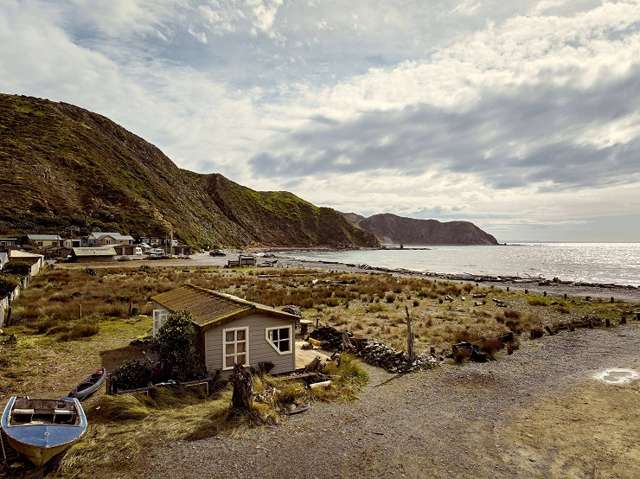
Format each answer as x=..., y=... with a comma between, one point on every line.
x=389, y=228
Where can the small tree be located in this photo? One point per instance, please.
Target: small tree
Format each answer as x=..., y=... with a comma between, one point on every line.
x=177, y=348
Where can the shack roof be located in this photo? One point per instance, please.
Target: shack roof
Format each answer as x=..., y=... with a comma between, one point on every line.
x=16, y=253
x=94, y=251
x=44, y=237
x=97, y=235
x=209, y=308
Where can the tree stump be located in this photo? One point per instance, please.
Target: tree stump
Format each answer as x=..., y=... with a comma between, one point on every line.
x=242, y=398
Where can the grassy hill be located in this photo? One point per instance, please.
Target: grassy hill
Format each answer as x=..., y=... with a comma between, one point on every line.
x=70, y=171
x=389, y=228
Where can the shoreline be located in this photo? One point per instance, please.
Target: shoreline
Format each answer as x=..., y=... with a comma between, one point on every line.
x=540, y=284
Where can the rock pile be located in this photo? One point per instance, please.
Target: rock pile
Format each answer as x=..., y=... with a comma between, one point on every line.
x=372, y=352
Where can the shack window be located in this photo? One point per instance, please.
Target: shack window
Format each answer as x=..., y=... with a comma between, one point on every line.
x=235, y=347
x=280, y=339
x=159, y=318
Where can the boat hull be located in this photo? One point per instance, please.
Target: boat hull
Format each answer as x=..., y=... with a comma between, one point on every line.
x=41, y=442
x=38, y=456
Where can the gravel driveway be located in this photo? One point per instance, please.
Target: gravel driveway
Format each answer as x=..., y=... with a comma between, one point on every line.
x=537, y=413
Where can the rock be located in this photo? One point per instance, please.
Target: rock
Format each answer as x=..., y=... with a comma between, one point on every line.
x=536, y=333
x=465, y=350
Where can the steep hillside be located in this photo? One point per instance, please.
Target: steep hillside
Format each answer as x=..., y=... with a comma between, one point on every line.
x=68, y=170
x=397, y=229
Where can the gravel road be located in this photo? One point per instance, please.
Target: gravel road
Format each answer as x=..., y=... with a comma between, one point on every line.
x=537, y=413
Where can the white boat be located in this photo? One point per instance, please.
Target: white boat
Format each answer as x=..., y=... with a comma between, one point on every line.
x=40, y=429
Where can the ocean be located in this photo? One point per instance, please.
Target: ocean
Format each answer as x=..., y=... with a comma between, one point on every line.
x=617, y=263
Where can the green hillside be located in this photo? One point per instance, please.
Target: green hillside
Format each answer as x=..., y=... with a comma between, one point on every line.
x=70, y=171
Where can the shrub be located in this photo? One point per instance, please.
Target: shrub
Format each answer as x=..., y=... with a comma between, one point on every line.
x=390, y=298
x=132, y=374
x=176, y=343
x=19, y=268
x=7, y=284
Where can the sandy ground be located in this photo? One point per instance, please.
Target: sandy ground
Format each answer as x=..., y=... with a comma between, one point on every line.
x=537, y=413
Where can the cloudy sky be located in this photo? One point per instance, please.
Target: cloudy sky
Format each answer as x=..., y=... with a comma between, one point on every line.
x=522, y=115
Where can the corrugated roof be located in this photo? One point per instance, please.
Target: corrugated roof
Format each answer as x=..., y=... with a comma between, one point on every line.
x=94, y=251
x=44, y=237
x=16, y=253
x=208, y=307
x=97, y=235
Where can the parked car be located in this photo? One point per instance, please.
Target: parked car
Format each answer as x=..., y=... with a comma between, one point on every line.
x=216, y=252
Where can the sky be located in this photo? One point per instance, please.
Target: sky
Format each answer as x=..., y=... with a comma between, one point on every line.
x=522, y=116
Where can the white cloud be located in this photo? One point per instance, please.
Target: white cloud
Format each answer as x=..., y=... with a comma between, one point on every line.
x=216, y=82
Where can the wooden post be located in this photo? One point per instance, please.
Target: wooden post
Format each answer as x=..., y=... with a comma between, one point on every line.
x=4, y=452
x=410, y=339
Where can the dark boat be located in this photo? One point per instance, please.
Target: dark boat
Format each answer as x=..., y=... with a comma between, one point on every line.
x=89, y=385
x=40, y=429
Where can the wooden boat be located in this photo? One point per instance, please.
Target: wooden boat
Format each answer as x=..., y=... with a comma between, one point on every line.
x=40, y=429
x=89, y=385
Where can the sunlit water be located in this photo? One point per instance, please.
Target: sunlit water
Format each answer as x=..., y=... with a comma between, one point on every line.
x=617, y=263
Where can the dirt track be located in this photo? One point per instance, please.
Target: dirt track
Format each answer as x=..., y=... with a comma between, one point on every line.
x=538, y=413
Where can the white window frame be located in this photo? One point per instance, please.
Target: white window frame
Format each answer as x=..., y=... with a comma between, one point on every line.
x=272, y=344
x=224, y=346
x=160, y=316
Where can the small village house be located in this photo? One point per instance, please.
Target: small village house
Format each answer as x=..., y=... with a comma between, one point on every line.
x=98, y=238
x=9, y=242
x=72, y=243
x=44, y=240
x=35, y=260
x=232, y=330
x=93, y=254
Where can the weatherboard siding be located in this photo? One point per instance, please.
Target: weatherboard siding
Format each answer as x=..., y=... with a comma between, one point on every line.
x=259, y=349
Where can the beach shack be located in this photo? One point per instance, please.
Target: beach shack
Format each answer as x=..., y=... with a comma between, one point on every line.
x=89, y=254
x=35, y=261
x=232, y=330
x=44, y=241
x=98, y=238
x=9, y=241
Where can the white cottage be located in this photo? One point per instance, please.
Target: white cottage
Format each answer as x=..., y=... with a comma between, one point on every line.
x=232, y=330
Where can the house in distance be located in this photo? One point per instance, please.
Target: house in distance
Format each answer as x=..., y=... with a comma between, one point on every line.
x=232, y=330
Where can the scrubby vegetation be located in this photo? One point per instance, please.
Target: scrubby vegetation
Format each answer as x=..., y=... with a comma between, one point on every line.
x=368, y=305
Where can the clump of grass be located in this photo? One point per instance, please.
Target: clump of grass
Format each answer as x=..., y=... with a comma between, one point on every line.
x=511, y=314
x=119, y=408
x=390, y=298
x=80, y=331
x=375, y=308
x=537, y=301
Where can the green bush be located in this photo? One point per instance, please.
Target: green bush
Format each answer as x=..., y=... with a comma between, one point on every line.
x=7, y=284
x=132, y=374
x=19, y=268
x=176, y=342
